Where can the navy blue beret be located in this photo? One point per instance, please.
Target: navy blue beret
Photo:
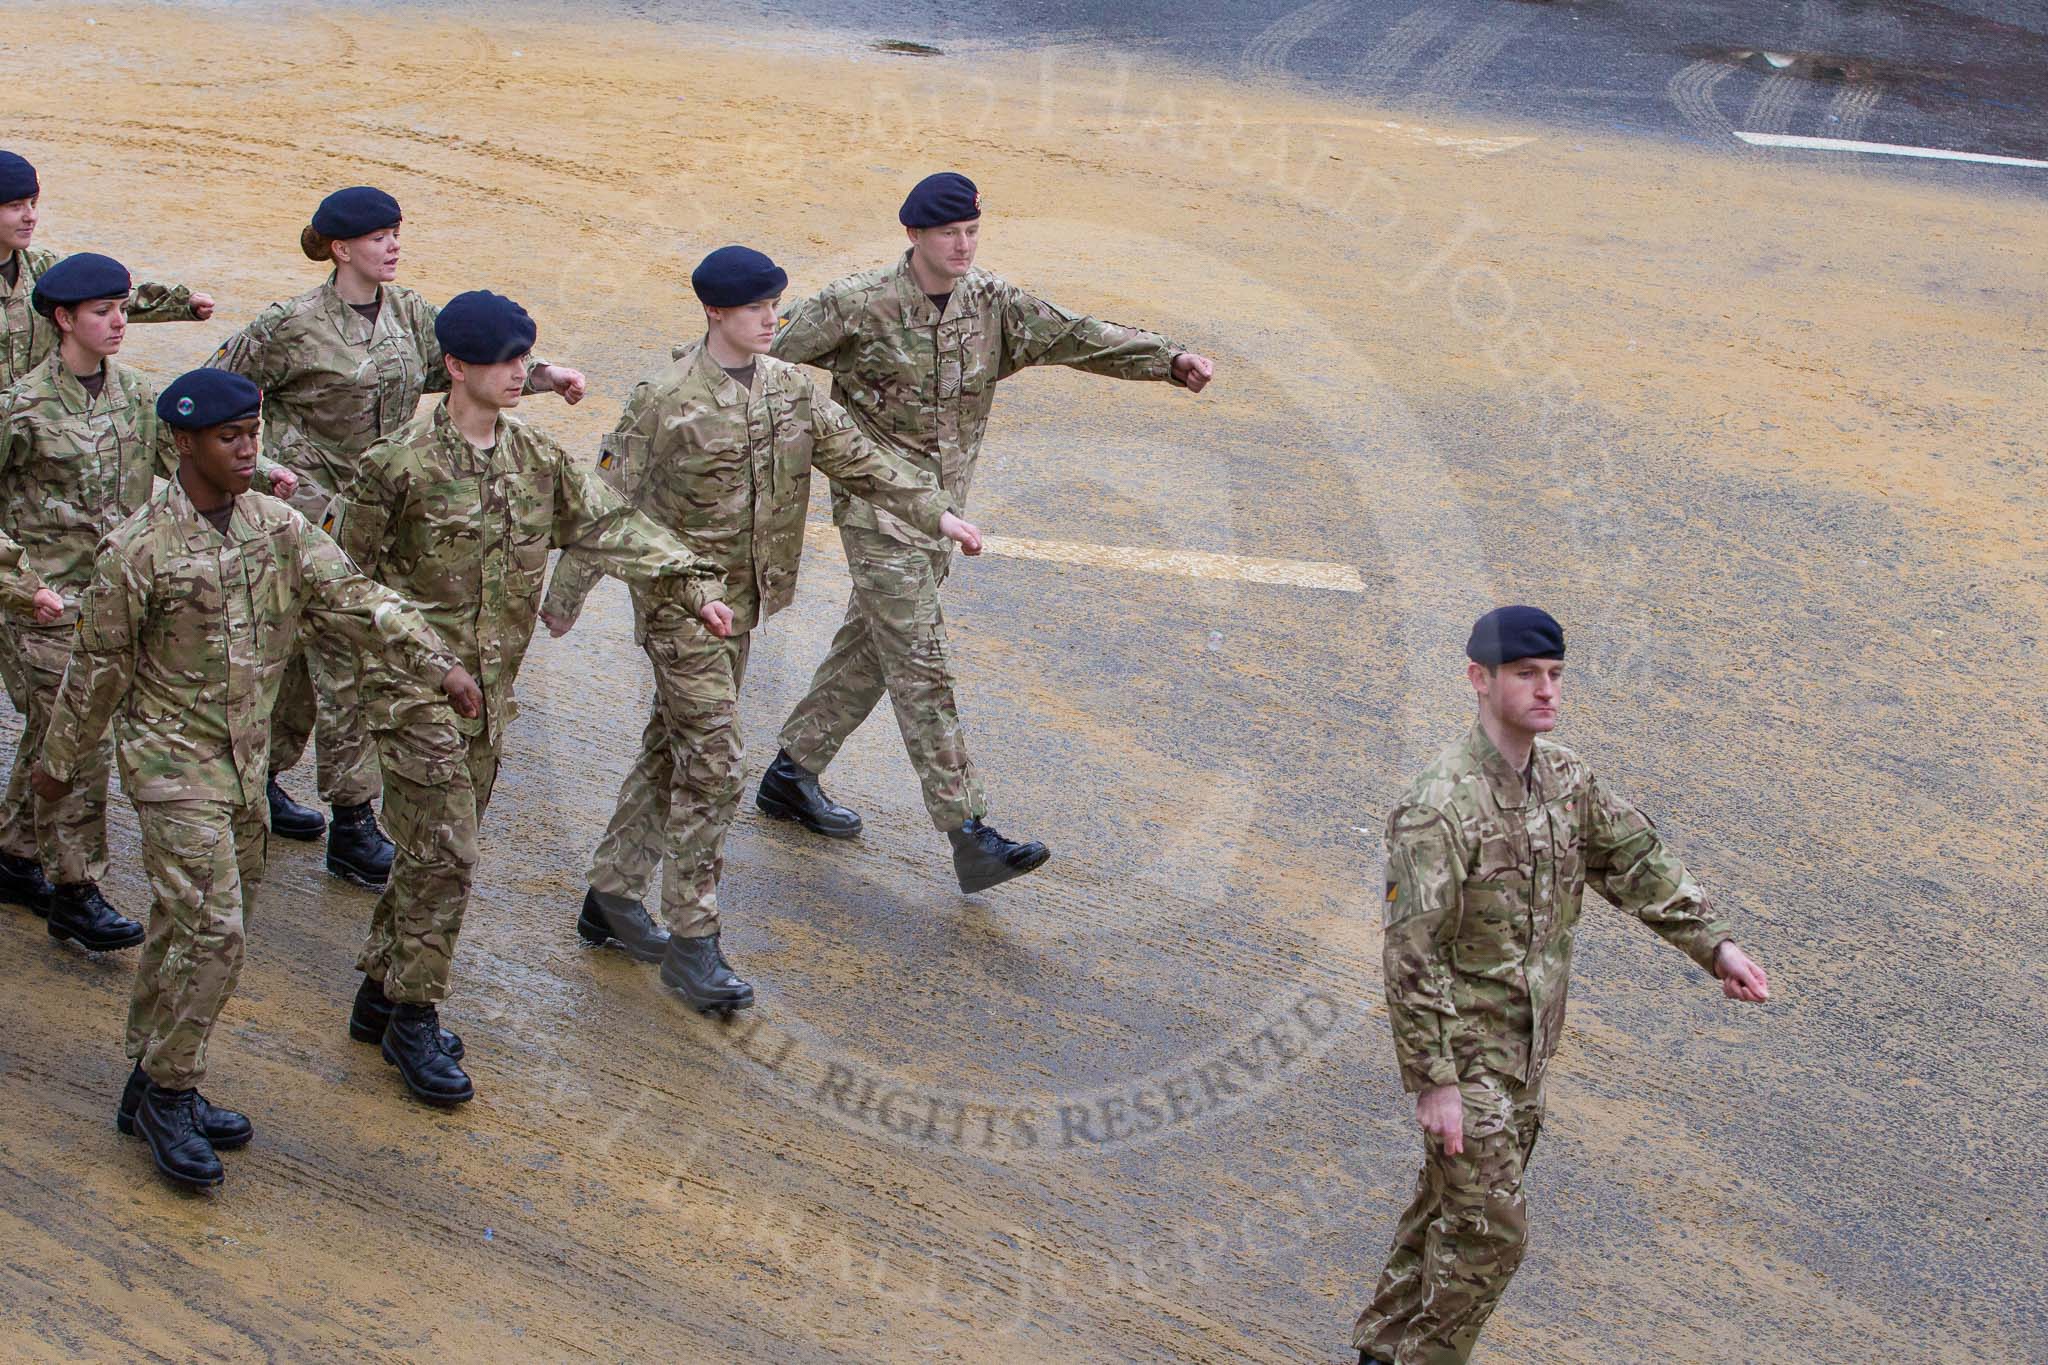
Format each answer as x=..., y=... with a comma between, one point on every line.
x=17, y=178
x=482, y=328
x=355, y=212
x=198, y=399
x=948, y=197
x=79, y=279
x=1506, y=634
x=734, y=276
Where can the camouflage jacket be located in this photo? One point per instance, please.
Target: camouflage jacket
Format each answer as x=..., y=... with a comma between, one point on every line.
x=73, y=467
x=27, y=337
x=184, y=635
x=465, y=533
x=18, y=583
x=1484, y=879
x=729, y=471
x=335, y=384
x=919, y=383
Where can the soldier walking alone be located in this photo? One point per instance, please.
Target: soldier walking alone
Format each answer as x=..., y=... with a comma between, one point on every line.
x=1488, y=856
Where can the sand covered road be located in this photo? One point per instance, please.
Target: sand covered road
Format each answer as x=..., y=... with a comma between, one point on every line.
x=1767, y=439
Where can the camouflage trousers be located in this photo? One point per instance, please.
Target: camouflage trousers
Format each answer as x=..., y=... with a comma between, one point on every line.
x=203, y=860
x=318, y=699
x=893, y=641
x=437, y=782
x=69, y=835
x=678, y=798
x=1462, y=1236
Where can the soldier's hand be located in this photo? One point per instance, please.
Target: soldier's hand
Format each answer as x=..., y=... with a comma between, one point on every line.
x=965, y=534
x=1741, y=979
x=558, y=626
x=283, y=482
x=717, y=618
x=1193, y=370
x=46, y=786
x=1441, y=1112
x=565, y=381
x=202, y=307
x=463, y=693
x=46, y=606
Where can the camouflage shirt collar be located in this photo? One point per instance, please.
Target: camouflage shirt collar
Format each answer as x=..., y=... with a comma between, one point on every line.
x=1509, y=791
x=70, y=389
x=725, y=391
x=917, y=305
x=355, y=329
x=24, y=277
x=195, y=530
x=445, y=431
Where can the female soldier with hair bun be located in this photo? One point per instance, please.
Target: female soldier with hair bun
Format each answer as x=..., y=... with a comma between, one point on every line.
x=342, y=366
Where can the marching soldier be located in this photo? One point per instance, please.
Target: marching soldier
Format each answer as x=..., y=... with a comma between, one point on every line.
x=716, y=447
x=1488, y=856
x=80, y=446
x=341, y=367
x=916, y=350
x=458, y=512
x=26, y=337
x=182, y=636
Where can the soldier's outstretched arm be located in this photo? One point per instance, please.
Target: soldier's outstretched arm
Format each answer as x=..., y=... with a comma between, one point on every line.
x=1036, y=332
x=1628, y=862
x=341, y=600
x=101, y=670
x=816, y=330
x=622, y=464
x=152, y=302
x=594, y=520
x=867, y=471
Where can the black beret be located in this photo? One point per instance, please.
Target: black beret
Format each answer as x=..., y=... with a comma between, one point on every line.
x=198, y=399
x=1506, y=634
x=948, y=197
x=482, y=328
x=17, y=178
x=734, y=276
x=79, y=279
x=355, y=212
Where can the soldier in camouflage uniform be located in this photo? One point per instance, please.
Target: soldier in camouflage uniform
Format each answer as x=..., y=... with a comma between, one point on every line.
x=1488, y=857
x=717, y=447
x=80, y=445
x=458, y=513
x=26, y=336
x=915, y=351
x=193, y=609
x=342, y=367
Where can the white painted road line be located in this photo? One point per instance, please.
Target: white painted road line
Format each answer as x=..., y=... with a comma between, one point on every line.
x=1841, y=144
x=1285, y=573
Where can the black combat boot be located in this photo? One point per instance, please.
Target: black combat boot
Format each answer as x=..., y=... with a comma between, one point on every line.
x=792, y=793
x=290, y=820
x=983, y=858
x=372, y=1012
x=412, y=1043
x=80, y=912
x=697, y=968
x=614, y=919
x=169, y=1122
x=22, y=883
x=357, y=850
x=224, y=1128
